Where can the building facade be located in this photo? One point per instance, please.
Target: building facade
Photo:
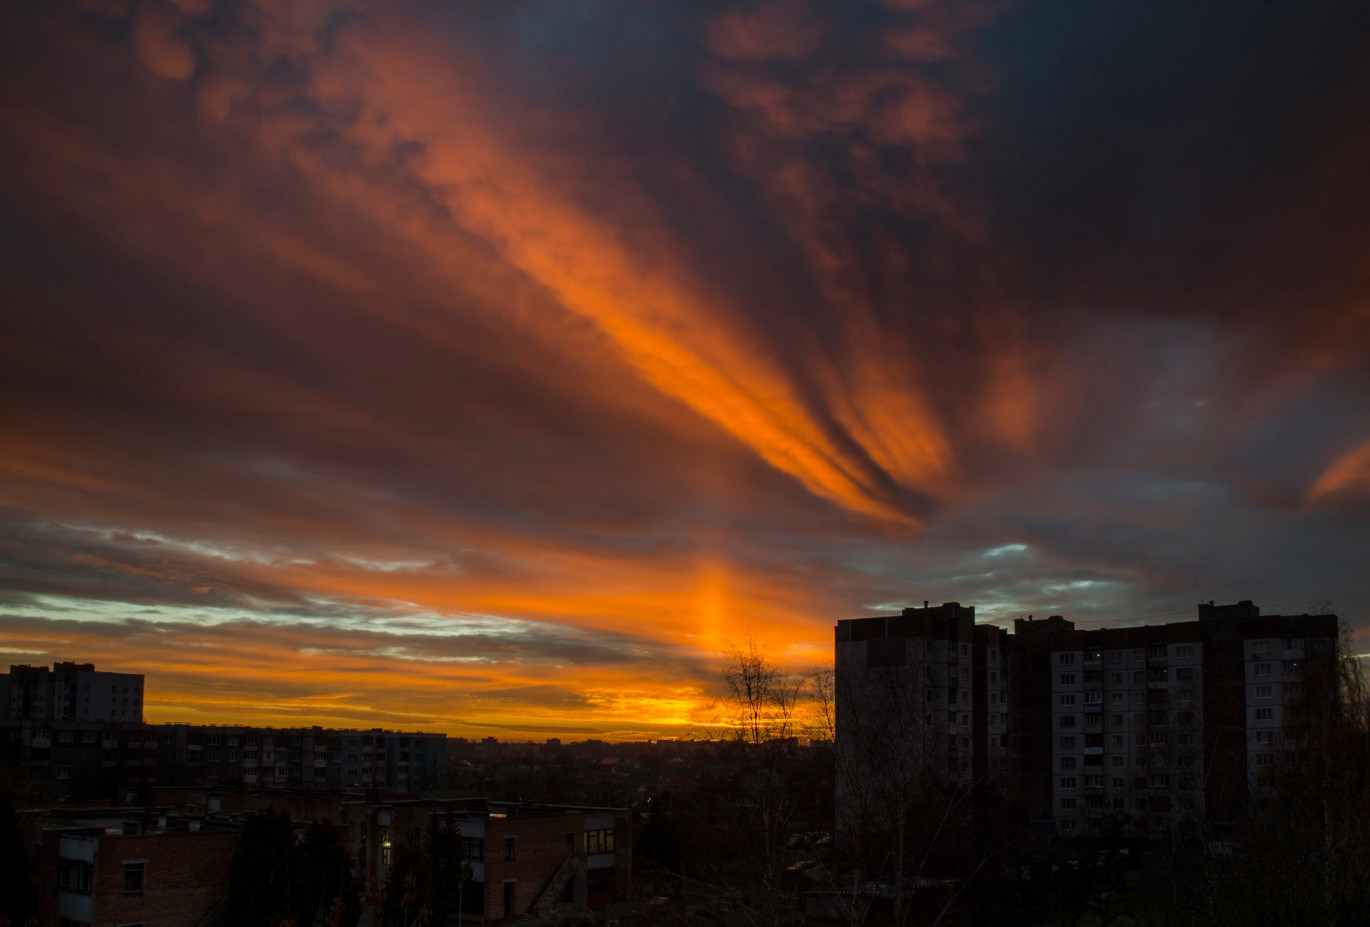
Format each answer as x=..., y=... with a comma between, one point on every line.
x=70, y=692
x=540, y=860
x=1160, y=731
x=112, y=869
x=922, y=705
x=90, y=758
x=1152, y=731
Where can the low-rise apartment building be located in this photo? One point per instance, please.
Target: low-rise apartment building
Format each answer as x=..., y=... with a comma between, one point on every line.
x=541, y=860
x=112, y=869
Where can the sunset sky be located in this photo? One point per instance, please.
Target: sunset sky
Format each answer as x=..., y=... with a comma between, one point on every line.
x=492, y=367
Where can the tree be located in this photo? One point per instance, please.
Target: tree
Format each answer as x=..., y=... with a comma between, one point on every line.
x=760, y=700
x=278, y=874
x=18, y=896
x=426, y=882
x=1303, y=856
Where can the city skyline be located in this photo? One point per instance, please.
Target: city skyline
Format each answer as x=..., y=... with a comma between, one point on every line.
x=494, y=369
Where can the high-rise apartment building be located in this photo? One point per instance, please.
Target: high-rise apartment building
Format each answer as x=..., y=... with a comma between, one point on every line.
x=70, y=692
x=922, y=703
x=1151, y=731
x=1158, y=730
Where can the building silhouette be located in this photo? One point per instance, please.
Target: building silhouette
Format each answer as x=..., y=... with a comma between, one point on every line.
x=1152, y=731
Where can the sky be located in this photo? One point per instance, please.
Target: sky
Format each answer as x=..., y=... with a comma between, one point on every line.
x=496, y=368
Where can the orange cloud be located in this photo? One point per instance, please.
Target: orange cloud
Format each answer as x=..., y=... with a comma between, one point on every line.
x=1346, y=477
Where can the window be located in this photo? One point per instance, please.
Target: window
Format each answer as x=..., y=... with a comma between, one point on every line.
x=1067, y=721
x=1067, y=824
x=1116, y=679
x=1068, y=700
x=1065, y=659
x=1156, y=651
x=73, y=875
x=1263, y=759
x=1262, y=669
x=1068, y=742
x=1185, y=652
x=1067, y=762
x=1115, y=657
x=965, y=720
x=1292, y=667
x=1265, y=737
x=1265, y=714
x=509, y=897
x=1068, y=804
x=1118, y=761
x=965, y=674
x=1067, y=679
x=133, y=877
x=1185, y=674
x=599, y=881
x=1260, y=647
x=1263, y=692
x=599, y=841
x=473, y=847
x=1116, y=720
x=965, y=696
x=1119, y=741
x=1293, y=643
x=508, y=848
x=1069, y=782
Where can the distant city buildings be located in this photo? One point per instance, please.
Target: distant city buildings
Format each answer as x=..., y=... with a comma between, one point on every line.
x=73, y=731
x=1149, y=731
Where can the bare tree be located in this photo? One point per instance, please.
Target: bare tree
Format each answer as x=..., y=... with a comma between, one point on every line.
x=1303, y=857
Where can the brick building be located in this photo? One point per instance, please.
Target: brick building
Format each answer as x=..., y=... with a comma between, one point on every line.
x=119, y=869
x=525, y=859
